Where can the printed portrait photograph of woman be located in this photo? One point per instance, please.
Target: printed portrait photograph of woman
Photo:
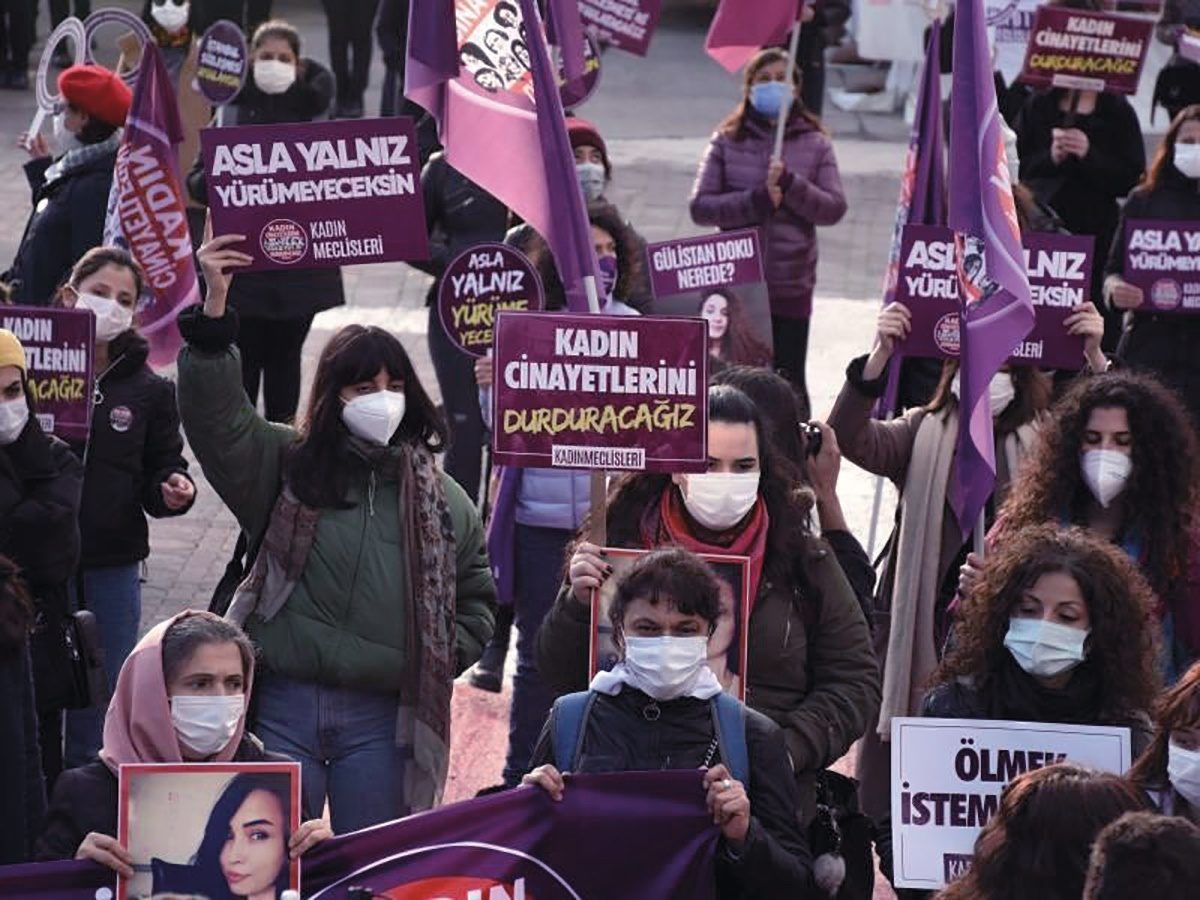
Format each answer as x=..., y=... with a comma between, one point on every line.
x=739, y=322
x=212, y=830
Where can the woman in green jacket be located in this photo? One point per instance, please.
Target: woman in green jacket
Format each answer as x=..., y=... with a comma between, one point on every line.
x=371, y=589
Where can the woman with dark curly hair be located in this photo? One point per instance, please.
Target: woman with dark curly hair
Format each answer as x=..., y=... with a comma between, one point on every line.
x=1057, y=629
x=1169, y=770
x=810, y=665
x=1118, y=457
x=731, y=339
x=1038, y=843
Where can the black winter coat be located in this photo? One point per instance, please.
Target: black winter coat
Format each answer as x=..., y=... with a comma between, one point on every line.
x=134, y=446
x=282, y=295
x=85, y=800
x=1162, y=344
x=775, y=860
x=22, y=789
x=67, y=221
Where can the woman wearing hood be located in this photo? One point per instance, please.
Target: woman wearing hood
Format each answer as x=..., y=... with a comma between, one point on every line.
x=181, y=697
x=742, y=185
x=133, y=466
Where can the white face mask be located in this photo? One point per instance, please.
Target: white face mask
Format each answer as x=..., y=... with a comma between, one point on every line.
x=170, y=16
x=1010, y=153
x=64, y=140
x=591, y=179
x=374, y=417
x=111, y=317
x=1183, y=770
x=1106, y=473
x=273, y=76
x=1001, y=391
x=1045, y=648
x=14, y=415
x=1187, y=159
x=206, y=725
x=719, y=500
x=665, y=667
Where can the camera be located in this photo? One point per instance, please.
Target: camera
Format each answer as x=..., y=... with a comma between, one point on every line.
x=812, y=438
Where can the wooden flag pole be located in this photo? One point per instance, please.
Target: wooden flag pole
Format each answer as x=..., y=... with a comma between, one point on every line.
x=793, y=68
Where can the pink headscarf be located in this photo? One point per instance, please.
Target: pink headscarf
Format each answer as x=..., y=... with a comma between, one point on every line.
x=138, y=726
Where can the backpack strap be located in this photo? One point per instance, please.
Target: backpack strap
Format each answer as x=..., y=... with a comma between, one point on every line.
x=570, y=715
x=729, y=717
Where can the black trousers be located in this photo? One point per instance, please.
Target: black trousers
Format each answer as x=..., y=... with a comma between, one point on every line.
x=791, y=352
x=271, y=351
x=460, y=399
x=350, y=23
x=16, y=34
x=60, y=9
x=247, y=13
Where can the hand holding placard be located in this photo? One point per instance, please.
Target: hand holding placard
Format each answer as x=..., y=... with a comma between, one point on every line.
x=216, y=258
x=1122, y=294
x=587, y=571
x=893, y=326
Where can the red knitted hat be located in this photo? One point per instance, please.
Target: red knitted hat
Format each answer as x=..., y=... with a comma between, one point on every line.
x=97, y=91
x=584, y=133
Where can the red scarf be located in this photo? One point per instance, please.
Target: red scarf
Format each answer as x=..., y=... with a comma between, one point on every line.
x=750, y=540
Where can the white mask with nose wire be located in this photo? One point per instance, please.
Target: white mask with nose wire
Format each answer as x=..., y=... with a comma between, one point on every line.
x=375, y=417
x=1183, y=771
x=719, y=500
x=1106, y=473
x=206, y=724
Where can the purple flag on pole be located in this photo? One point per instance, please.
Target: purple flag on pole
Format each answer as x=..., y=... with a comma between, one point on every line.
x=922, y=187
x=996, y=312
x=740, y=28
x=564, y=28
x=147, y=211
x=485, y=75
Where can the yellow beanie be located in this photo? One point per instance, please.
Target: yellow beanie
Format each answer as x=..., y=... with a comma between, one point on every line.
x=11, y=351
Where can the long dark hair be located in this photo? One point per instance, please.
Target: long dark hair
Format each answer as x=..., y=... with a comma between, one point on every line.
x=1162, y=166
x=734, y=125
x=1160, y=498
x=1038, y=842
x=789, y=537
x=216, y=832
x=1177, y=709
x=1123, y=641
x=1033, y=390
x=16, y=607
x=320, y=465
x=739, y=343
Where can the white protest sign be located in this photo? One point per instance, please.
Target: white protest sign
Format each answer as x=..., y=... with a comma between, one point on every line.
x=947, y=776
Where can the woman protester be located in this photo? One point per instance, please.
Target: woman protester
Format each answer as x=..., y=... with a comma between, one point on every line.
x=349, y=23
x=70, y=189
x=659, y=708
x=370, y=589
x=182, y=696
x=1039, y=842
x=1161, y=343
x=916, y=452
x=810, y=665
x=1118, y=456
x=276, y=309
x=1169, y=770
x=740, y=185
x=731, y=339
x=133, y=467
x=40, y=484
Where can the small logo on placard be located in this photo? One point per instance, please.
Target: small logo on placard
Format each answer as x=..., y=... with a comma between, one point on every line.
x=121, y=418
x=945, y=334
x=1165, y=294
x=283, y=241
x=955, y=865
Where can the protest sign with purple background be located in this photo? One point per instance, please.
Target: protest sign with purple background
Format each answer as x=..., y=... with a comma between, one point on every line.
x=1162, y=257
x=626, y=24
x=511, y=844
x=612, y=392
x=1059, y=268
x=1074, y=48
x=59, y=344
x=712, y=260
x=317, y=195
x=221, y=62
x=479, y=283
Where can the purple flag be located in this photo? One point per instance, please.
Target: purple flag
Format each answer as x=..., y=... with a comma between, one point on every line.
x=740, y=28
x=147, y=208
x=484, y=73
x=564, y=28
x=996, y=312
x=922, y=187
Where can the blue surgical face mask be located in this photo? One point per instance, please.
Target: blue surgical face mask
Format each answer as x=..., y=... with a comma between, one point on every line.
x=768, y=97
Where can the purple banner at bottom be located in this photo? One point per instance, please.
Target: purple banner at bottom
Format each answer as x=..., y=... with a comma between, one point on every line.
x=1060, y=276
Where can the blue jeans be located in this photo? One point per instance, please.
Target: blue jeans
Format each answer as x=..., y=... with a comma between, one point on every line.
x=538, y=577
x=114, y=594
x=345, y=742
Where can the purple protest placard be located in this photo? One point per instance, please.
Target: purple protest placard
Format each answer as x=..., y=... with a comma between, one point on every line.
x=1162, y=257
x=626, y=24
x=1091, y=51
x=318, y=195
x=59, y=345
x=718, y=277
x=479, y=283
x=1059, y=269
x=581, y=93
x=221, y=62
x=588, y=392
